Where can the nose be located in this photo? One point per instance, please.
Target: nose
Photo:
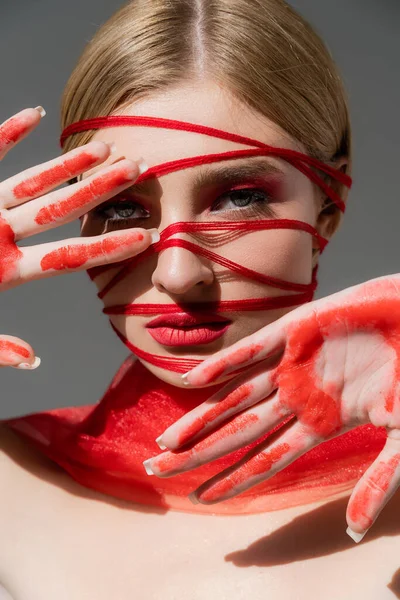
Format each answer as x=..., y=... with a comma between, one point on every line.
x=179, y=270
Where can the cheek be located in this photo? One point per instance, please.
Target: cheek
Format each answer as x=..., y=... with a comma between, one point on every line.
x=101, y=281
x=292, y=256
x=282, y=253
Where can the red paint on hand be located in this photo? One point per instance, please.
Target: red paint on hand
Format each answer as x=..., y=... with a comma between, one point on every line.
x=75, y=256
x=12, y=130
x=173, y=462
x=216, y=410
x=9, y=348
x=259, y=464
x=92, y=191
x=42, y=182
x=329, y=401
x=299, y=388
x=214, y=371
x=368, y=501
x=10, y=254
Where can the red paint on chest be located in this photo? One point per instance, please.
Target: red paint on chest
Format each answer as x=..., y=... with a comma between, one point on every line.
x=103, y=447
x=74, y=256
x=8, y=348
x=42, y=182
x=98, y=187
x=9, y=252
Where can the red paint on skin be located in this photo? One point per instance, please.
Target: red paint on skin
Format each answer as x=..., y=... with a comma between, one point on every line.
x=42, y=182
x=258, y=465
x=74, y=256
x=298, y=383
x=101, y=185
x=9, y=252
x=94, y=444
x=296, y=378
x=8, y=347
x=369, y=498
x=12, y=130
x=296, y=374
x=231, y=401
x=175, y=462
x=240, y=356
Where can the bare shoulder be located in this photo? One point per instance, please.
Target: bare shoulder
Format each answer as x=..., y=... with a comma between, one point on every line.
x=22, y=469
x=10, y=447
x=19, y=458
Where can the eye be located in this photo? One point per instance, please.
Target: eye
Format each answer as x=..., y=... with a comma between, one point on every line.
x=242, y=199
x=118, y=211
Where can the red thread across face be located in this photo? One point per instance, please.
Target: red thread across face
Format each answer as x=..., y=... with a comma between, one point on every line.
x=303, y=162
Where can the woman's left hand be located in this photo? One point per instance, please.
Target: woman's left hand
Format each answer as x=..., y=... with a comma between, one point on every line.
x=328, y=366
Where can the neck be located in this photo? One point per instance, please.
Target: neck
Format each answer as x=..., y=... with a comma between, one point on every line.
x=103, y=447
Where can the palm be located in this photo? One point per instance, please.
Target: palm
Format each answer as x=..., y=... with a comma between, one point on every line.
x=334, y=375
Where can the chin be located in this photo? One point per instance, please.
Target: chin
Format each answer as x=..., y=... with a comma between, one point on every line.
x=174, y=378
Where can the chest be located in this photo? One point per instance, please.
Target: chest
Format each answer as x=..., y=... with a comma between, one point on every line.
x=64, y=542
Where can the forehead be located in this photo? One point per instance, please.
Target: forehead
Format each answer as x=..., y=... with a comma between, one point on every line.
x=204, y=103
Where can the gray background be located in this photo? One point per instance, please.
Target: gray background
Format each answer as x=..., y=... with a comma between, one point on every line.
x=40, y=41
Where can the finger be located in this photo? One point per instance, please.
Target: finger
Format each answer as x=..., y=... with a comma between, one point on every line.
x=77, y=254
x=291, y=444
x=375, y=488
x=39, y=180
x=260, y=345
x=14, y=352
x=66, y=205
x=17, y=127
x=241, y=431
x=239, y=394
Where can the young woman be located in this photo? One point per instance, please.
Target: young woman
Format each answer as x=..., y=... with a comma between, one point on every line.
x=196, y=252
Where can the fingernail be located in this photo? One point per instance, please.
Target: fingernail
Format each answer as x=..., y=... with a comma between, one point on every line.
x=146, y=464
x=112, y=147
x=193, y=498
x=143, y=167
x=159, y=443
x=185, y=382
x=41, y=110
x=155, y=235
x=357, y=537
x=29, y=366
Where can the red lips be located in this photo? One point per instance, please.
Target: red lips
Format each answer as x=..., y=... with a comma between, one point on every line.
x=183, y=319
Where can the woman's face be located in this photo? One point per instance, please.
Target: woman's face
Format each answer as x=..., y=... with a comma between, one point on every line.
x=200, y=194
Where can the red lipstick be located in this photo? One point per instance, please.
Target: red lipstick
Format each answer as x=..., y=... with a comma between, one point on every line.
x=183, y=329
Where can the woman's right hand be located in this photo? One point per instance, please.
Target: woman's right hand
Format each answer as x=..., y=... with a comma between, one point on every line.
x=28, y=205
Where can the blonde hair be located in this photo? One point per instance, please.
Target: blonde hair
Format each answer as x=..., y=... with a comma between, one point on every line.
x=262, y=51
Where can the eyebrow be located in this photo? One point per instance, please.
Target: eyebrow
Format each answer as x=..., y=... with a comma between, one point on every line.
x=254, y=167
x=222, y=175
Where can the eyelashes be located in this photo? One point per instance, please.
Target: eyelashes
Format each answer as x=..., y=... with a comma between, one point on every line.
x=238, y=203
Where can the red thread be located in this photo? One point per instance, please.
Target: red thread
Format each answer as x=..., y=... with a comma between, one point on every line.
x=304, y=163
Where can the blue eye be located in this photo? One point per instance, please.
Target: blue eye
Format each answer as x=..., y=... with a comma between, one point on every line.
x=244, y=198
x=252, y=201
x=124, y=210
